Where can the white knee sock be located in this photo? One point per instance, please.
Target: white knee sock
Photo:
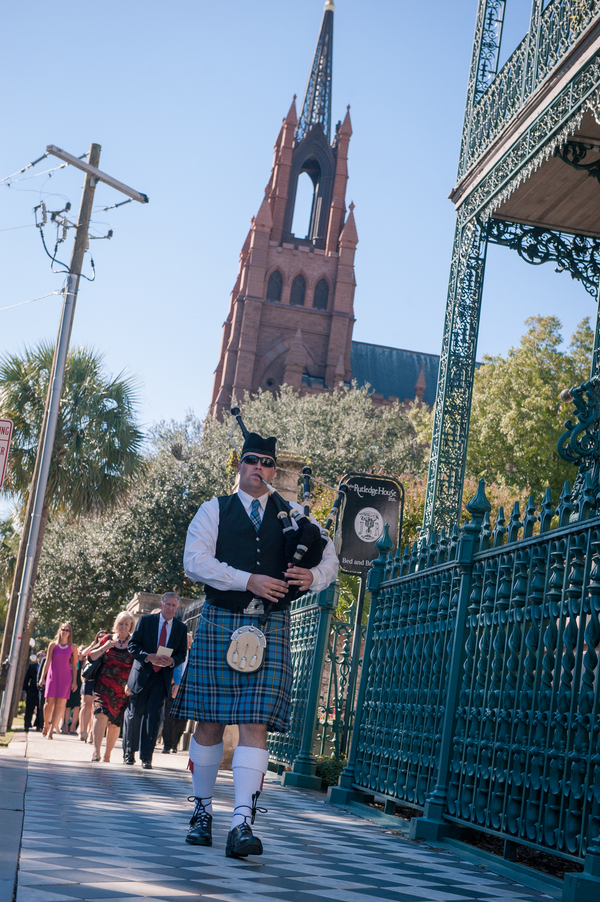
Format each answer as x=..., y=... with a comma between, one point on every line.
x=205, y=767
x=249, y=766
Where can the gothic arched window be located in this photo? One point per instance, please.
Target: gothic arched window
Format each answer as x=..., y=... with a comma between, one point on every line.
x=274, y=286
x=298, y=291
x=321, y=295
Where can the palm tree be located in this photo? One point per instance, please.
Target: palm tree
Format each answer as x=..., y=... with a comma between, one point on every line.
x=96, y=450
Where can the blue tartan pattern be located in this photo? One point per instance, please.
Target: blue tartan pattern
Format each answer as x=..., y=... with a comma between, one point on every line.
x=214, y=693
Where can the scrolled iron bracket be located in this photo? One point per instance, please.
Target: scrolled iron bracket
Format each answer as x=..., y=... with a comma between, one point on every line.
x=580, y=444
x=579, y=255
x=573, y=152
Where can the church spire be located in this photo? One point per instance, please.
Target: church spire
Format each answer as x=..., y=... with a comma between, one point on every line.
x=316, y=107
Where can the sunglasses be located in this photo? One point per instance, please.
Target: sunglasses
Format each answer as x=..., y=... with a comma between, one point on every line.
x=252, y=459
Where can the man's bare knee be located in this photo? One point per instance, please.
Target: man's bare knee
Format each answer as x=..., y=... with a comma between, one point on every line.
x=253, y=735
x=209, y=733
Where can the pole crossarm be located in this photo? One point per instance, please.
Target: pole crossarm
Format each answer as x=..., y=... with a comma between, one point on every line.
x=46, y=444
x=96, y=173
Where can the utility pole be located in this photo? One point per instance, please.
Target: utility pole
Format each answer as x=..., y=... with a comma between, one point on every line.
x=93, y=176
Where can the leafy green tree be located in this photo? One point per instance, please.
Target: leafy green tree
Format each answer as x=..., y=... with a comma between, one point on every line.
x=517, y=416
x=97, y=449
x=9, y=543
x=91, y=569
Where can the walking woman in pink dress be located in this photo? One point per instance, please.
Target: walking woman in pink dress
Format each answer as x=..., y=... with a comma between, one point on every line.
x=60, y=677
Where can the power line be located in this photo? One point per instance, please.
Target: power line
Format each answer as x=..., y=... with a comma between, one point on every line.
x=25, y=168
x=13, y=228
x=9, y=183
x=22, y=303
x=7, y=178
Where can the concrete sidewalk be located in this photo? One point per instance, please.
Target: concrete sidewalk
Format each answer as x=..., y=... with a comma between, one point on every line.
x=109, y=831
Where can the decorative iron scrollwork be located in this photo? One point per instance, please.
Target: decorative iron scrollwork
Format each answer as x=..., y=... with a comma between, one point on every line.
x=580, y=444
x=573, y=152
x=578, y=254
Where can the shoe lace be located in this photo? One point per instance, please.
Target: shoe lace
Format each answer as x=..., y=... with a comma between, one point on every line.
x=254, y=810
x=200, y=815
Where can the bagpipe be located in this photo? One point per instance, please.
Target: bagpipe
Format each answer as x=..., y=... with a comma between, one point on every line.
x=305, y=541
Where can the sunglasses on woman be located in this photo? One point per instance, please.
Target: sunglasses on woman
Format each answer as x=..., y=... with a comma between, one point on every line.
x=253, y=459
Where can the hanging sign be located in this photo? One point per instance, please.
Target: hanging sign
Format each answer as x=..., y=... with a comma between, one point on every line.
x=6, y=429
x=371, y=502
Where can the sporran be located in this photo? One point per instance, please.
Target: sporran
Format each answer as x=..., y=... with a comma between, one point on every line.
x=246, y=650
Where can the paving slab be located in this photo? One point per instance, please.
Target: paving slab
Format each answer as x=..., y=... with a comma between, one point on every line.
x=115, y=832
x=13, y=782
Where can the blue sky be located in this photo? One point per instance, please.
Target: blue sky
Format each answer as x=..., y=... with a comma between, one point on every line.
x=186, y=100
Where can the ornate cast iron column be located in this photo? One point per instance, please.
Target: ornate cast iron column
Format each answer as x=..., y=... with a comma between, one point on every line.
x=457, y=359
x=455, y=380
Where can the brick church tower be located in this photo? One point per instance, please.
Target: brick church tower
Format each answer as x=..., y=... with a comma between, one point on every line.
x=292, y=307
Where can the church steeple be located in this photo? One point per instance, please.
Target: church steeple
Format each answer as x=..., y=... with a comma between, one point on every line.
x=292, y=307
x=316, y=108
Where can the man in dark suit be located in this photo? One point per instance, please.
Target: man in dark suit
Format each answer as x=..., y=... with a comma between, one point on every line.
x=150, y=677
x=39, y=720
x=30, y=687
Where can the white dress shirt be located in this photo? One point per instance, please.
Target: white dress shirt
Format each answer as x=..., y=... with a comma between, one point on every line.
x=201, y=565
x=169, y=624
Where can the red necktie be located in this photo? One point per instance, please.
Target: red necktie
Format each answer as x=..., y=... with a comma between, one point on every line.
x=162, y=641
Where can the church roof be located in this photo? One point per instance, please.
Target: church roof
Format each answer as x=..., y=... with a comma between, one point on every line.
x=394, y=372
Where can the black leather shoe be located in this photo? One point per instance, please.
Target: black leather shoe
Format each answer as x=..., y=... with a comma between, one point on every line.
x=147, y=765
x=166, y=751
x=200, y=832
x=242, y=842
x=128, y=759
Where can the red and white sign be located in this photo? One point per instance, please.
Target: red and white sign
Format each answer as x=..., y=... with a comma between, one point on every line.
x=6, y=428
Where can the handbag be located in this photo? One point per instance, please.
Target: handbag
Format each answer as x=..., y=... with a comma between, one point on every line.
x=91, y=669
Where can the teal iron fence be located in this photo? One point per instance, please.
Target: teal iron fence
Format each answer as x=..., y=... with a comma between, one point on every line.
x=309, y=632
x=480, y=703
x=335, y=707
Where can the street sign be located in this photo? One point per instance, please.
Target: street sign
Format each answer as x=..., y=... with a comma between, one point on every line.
x=6, y=429
x=371, y=501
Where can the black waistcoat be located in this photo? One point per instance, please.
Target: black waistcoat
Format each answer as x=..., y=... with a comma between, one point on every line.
x=242, y=547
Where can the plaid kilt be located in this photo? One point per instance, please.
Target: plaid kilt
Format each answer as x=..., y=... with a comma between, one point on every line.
x=214, y=693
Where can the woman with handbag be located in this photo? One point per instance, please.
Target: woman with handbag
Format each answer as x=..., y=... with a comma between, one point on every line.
x=87, y=693
x=110, y=698
x=60, y=678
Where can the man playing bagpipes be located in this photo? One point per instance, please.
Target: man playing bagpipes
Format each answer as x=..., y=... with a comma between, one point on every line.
x=241, y=547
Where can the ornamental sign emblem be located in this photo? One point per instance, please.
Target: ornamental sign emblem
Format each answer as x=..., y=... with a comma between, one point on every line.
x=371, y=502
x=368, y=524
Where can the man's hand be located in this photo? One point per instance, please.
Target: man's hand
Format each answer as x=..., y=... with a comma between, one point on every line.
x=159, y=660
x=267, y=587
x=299, y=576
x=174, y=689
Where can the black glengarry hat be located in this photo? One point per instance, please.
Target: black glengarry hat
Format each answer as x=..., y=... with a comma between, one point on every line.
x=256, y=444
